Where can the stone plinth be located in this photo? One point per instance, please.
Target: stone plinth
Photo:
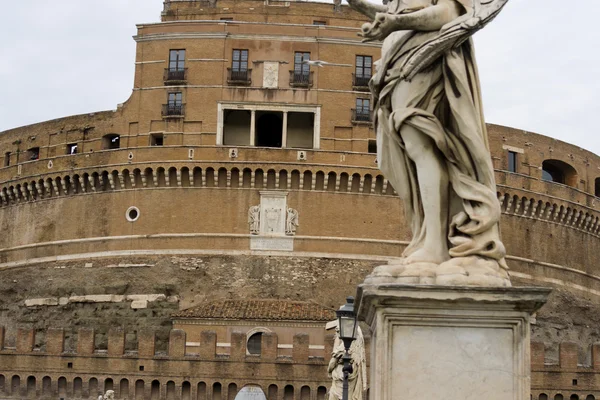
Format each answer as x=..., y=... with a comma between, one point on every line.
x=451, y=343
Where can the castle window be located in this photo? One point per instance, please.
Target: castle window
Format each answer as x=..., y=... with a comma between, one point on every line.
x=269, y=129
x=111, y=141
x=72, y=148
x=239, y=72
x=156, y=139
x=236, y=128
x=372, y=146
x=512, y=161
x=574, y=397
x=226, y=18
x=174, y=106
x=254, y=343
x=596, y=185
x=559, y=172
x=362, y=112
x=300, y=130
x=320, y=23
x=301, y=75
x=176, y=73
x=363, y=72
x=7, y=159
x=33, y=153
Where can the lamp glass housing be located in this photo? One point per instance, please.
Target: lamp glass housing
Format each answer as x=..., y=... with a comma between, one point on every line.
x=347, y=320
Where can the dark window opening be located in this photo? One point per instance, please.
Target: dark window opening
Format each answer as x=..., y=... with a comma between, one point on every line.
x=372, y=146
x=70, y=365
x=72, y=148
x=559, y=172
x=574, y=382
x=574, y=396
x=156, y=139
x=7, y=159
x=236, y=127
x=363, y=71
x=110, y=142
x=320, y=23
x=512, y=161
x=362, y=112
x=269, y=129
x=226, y=18
x=254, y=343
x=141, y=367
x=596, y=186
x=300, y=130
x=33, y=153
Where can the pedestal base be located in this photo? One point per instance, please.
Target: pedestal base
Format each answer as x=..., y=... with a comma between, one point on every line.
x=452, y=343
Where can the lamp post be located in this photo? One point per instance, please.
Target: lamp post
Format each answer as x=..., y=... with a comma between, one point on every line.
x=347, y=333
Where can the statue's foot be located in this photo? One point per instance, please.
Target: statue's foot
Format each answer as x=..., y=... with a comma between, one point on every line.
x=425, y=255
x=460, y=271
x=472, y=271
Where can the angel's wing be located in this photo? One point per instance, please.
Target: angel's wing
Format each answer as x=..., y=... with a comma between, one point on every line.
x=452, y=35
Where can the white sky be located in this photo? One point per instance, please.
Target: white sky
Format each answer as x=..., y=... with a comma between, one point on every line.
x=539, y=62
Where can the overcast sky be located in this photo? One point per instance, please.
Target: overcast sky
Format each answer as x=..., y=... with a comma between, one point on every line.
x=539, y=62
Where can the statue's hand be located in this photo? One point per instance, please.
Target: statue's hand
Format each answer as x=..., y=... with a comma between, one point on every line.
x=380, y=28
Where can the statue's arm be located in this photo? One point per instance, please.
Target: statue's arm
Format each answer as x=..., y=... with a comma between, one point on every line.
x=430, y=18
x=367, y=8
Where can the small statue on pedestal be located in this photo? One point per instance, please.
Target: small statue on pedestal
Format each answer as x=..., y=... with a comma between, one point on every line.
x=357, y=380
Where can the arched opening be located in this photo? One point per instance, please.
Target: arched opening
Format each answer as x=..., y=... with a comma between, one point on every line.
x=235, y=178
x=124, y=389
x=307, y=181
x=231, y=391
x=320, y=181
x=111, y=141
x=31, y=387
x=186, y=391
x=559, y=172
x=305, y=393
x=247, y=178
x=216, y=391
x=139, y=389
x=62, y=387
x=254, y=344
x=170, y=390
x=283, y=179
x=590, y=397
x=93, y=387
x=185, y=177
x=201, y=391
x=355, y=183
x=210, y=177
x=295, y=184
x=15, y=385
x=46, y=386
x=271, y=179
x=321, y=393
x=288, y=393
x=331, y=181
x=272, y=392
x=222, y=175
x=197, y=177
x=558, y=397
x=154, y=390
x=543, y=396
x=574, y=397
x=108, y=384
x=173, y=176
x=78, y=388
x=259, y=179
x=269, y=128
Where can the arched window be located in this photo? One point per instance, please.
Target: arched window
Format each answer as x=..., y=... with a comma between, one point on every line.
x=574, y=397
x=590, y=397
x=111, y=141
x=559, y=172
x=254, y=343
x=543, y=396
x=558, y=397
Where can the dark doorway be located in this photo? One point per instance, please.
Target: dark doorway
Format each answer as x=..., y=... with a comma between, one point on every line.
x=269, y=129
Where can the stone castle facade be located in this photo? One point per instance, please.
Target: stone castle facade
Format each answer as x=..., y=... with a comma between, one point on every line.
x=236, y=170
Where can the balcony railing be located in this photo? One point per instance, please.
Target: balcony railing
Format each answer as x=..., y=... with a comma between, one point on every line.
x=175, y=76
x=173, y=110
x=360, y=82
x=239, y=77
x=361, y=115
x=301, y=78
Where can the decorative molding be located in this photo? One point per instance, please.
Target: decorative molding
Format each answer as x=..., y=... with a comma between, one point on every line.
x=150, y=62
x=208, y=59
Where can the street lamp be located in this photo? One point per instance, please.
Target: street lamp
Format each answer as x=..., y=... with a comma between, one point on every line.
x=347, y=333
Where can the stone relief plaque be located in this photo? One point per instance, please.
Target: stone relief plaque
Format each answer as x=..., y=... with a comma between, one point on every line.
x=270, y=74
x=272, y=223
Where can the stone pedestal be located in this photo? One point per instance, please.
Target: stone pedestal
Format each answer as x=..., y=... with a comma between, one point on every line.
x=451, y=343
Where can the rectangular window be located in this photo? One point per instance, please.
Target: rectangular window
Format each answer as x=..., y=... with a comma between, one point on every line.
x=176, y=60
x=72, y=148
x=33, y=153
x=363, y=106
x=321, y=23
x=7, y=159
x=226, y=18
x=512, y=161
x=175, y=99
x=364, y=66
x=300, y=67
x=372, y=146
x=239, y=61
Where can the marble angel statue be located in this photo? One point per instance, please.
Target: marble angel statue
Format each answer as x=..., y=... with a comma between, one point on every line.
x=357, y=380
x=432, y=141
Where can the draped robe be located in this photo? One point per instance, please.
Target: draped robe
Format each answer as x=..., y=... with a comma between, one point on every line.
x=443, y=101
